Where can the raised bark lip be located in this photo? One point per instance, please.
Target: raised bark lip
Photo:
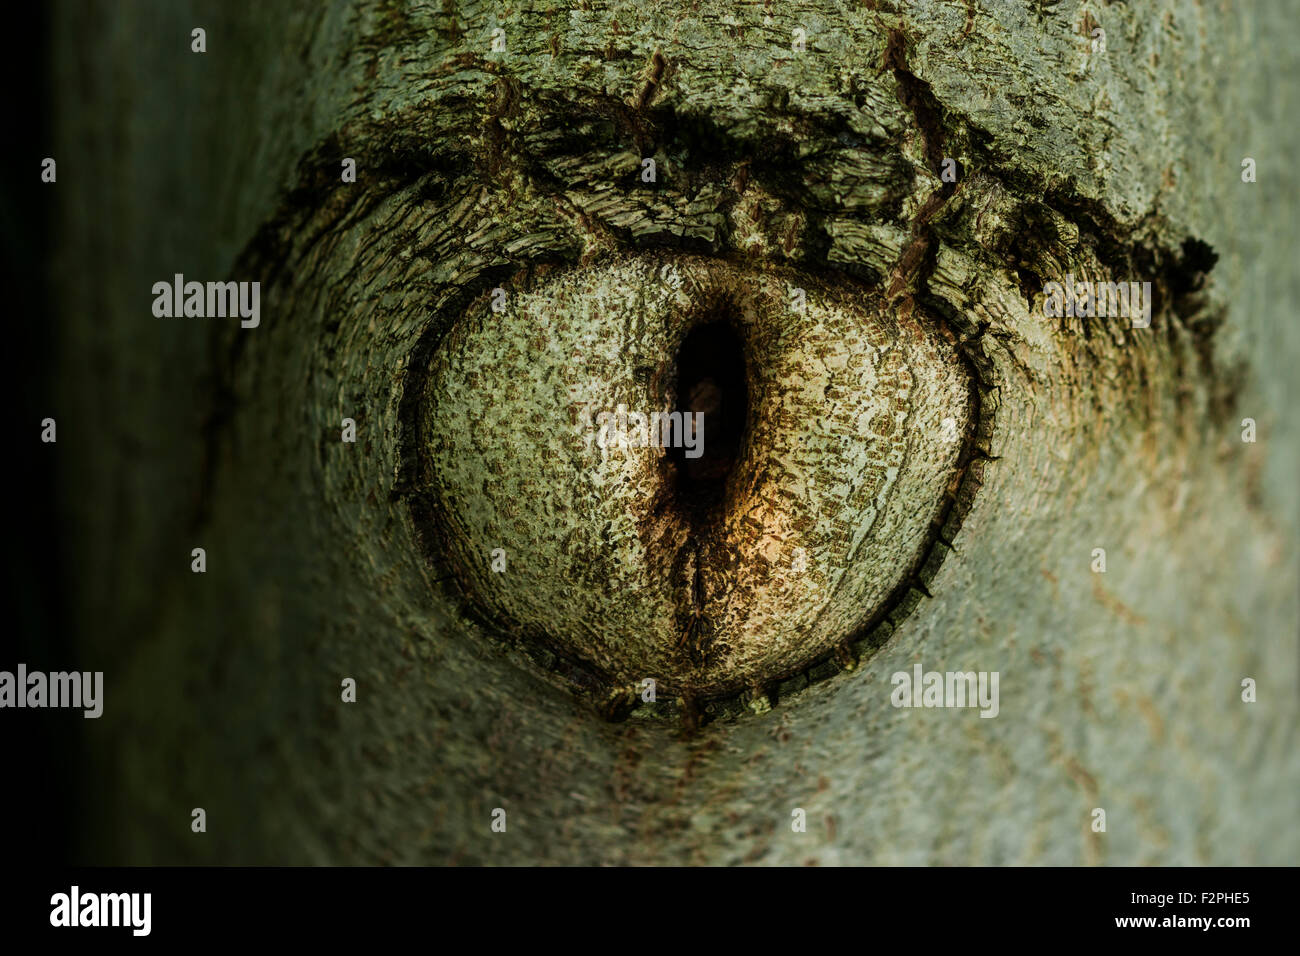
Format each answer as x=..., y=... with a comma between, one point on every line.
x=1116, y=246
x=616, y=701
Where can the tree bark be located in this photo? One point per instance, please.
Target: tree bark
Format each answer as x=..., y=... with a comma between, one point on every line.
x=480, y=167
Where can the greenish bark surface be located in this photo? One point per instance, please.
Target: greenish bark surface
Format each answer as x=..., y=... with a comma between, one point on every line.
x=1118, y=690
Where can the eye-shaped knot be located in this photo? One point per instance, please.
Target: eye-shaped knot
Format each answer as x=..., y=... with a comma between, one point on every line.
x=711, y=482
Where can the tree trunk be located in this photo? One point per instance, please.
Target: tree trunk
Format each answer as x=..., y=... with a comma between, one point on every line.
x=502, y=146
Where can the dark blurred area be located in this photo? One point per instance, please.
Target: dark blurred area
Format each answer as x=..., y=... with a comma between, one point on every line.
x=43, y=747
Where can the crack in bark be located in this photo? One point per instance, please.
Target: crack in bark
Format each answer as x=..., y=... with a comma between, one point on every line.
x=917, y=260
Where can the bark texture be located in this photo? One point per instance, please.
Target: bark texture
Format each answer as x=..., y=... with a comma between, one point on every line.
x=503, y=144
x=616, y=555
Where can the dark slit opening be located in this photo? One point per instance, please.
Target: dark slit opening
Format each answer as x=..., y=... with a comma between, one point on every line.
x=710, y=383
